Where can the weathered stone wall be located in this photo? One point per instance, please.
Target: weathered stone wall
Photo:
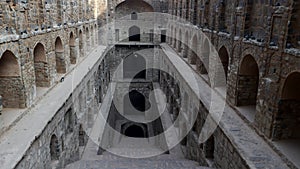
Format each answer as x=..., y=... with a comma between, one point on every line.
x=11, y=90
x=247, y=90
x=46, y=70
x=69, y=124
x=287, y=120
x=263, y=30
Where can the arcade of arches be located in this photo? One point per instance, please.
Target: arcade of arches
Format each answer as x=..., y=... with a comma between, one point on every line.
x=60, y=71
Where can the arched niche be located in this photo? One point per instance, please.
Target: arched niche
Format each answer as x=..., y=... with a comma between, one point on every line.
x=134, y=33
x=41, y=66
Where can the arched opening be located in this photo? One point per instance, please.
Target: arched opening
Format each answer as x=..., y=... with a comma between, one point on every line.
x=186, y=45
x=10, y=81
x=195, y=12
x=54, y=148
x=128, y=7
x=59, y=56
x=193, y=51
x=87, y=37
x=206, y=57
x=41, y=68
x=134, y=16
x=175, y=38
x=68, y=120
x=73, y=54
x=209, y=148
x=170, y=36
x=134, y=67
x=179, y=42
x=134, y=103
x=287, y=121
x=135, y=131
x=92, y=36
x=248, y=77
x=187, y=9
x=163, y=37
x=224, y=57
x=81, y=51
x=134, y=33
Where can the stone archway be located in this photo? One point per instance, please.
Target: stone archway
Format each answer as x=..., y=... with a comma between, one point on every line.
x=11, y=84
x=224, y=57
x=248, y=77
x=41, y=67
x=59, y=56
x=54, y=148
x=81, y=44
x=134, y=131
x=134, y=33
x=193, y=51
x=87, y=37
x=73, y=51
x=287, y=123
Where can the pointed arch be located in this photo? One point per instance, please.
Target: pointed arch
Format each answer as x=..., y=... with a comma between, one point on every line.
x=72, y=45
x=179, y=41
x=134, y=33
x=54, y=148
x=224, y=57
x=11, y=84
x=193, y=51
x=59, y=56
x=81, y=44
x=286, y=121
x=248, y=78
x=41, y=67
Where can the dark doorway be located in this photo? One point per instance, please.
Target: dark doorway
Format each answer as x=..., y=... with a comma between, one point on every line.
x=134, y=33
x=163, y=36
x=137, y=100
x=135, y=131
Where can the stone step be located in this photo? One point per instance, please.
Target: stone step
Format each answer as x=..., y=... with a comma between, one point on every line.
x=135, y=164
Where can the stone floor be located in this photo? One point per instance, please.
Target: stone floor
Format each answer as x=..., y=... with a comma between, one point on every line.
x=135, y=147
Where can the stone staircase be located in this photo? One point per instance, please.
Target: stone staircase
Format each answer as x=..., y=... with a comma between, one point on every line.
x=110, y=161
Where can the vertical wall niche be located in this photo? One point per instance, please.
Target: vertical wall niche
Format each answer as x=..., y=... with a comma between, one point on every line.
x=222, y=16
x=187, y=15
x=275, y=32
x=54, y=148
x=238, y=25
x=206, y=13
x=195, y=16
x=68, y=119
x=293, y=39
x=248, y=77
